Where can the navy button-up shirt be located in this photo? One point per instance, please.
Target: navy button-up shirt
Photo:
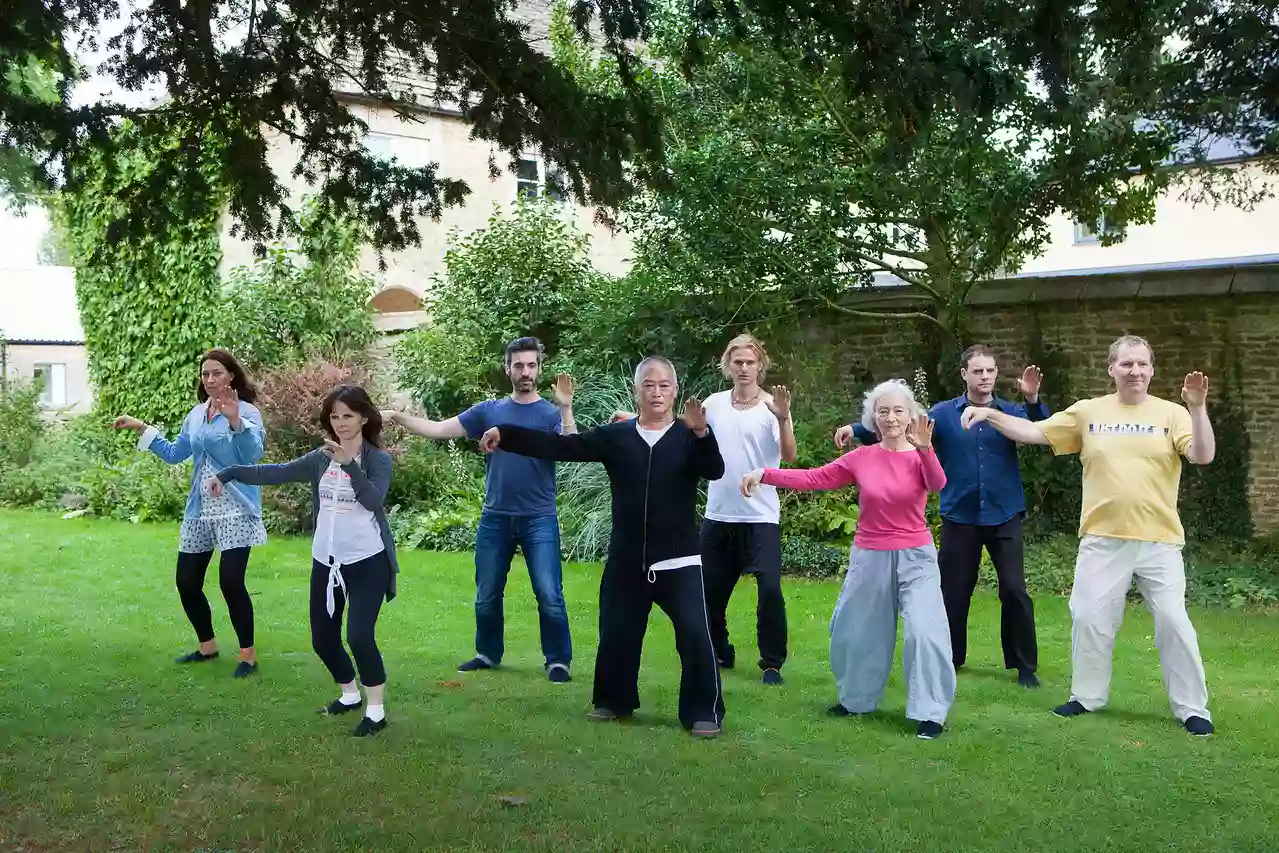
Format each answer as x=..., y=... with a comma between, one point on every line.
x=983, y=478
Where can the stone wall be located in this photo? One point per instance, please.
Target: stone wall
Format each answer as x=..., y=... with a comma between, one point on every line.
x=1209, y=320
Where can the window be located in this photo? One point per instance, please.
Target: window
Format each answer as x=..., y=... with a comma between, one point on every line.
x=52, y=379
x=408, y=151
x=531, y=176
x=1090, y=232
x=378, y=145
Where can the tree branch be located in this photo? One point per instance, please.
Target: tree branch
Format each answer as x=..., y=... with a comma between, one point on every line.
x=884, y=315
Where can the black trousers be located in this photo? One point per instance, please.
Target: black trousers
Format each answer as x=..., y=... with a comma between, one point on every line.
x=366, y=583
x=232, y=567
x=627, y=597
x=730, y=550
x=959, y=558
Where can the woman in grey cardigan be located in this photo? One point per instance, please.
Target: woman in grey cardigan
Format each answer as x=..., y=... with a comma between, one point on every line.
x=352, y=554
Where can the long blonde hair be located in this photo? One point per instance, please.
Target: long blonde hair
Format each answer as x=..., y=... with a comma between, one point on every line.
x=749, y=342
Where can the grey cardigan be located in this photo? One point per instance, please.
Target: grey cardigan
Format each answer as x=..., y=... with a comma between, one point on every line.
x=370, y=480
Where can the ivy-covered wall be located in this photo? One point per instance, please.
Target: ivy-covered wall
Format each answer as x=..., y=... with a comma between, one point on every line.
x=147, y=304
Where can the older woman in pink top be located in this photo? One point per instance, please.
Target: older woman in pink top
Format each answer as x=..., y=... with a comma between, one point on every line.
x=893, y=565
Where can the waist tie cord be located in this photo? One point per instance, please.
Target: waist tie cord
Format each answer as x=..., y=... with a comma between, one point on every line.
x=335, y=582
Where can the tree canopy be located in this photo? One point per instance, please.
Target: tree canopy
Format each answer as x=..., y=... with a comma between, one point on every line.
x=916, y=147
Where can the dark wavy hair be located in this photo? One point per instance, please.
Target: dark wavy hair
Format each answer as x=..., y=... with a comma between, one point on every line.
x=240, y=380
x=357, y=400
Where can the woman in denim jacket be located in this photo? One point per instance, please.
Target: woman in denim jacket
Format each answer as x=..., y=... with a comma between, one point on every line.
x=225, y=429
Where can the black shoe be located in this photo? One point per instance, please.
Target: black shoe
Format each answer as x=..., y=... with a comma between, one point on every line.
x=841, y=711
x=604, y=715
x=337, y=706
x=1198, y=726
x=928, y=730
x=473, y=664
x=244, y=669
x=196, y=656
x=772, y=676
x=704, y=728
x=558, y=673
x=368, y=727
x=1070, y=709
x=1027, y=678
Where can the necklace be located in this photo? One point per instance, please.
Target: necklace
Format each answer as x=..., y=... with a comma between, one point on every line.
x=737, y=402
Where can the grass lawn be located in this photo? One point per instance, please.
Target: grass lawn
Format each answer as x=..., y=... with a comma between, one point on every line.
x=107, y=745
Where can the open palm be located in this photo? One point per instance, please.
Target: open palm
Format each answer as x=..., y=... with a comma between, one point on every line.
x=694, y=416
x=1195, y=389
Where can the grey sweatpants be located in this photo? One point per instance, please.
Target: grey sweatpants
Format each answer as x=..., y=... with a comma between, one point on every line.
x=863, y=632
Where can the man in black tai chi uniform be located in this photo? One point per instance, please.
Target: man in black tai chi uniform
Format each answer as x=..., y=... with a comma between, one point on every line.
x=654, y=465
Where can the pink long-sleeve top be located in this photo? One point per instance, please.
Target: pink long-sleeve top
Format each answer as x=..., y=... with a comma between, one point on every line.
x=893, y=488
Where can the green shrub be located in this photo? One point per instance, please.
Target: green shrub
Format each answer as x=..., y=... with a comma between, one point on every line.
x=810, y=558
x=137, y=488
x=20, y=423
x=52, y=477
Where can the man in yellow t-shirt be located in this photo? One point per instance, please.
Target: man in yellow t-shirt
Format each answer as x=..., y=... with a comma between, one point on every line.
x=1131, y=446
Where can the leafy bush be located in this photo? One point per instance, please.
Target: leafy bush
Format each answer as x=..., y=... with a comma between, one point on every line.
x=20, y=423
x=305, y=303
x=437, y=495
x=52, y=477
x=137, y=488
x=811, y=558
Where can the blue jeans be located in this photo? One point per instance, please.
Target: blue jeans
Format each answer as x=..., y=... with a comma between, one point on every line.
x=538, y=538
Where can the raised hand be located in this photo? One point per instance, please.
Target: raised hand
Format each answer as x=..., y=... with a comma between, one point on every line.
x=227, y=403
x=127, y=422
x=973, y=415
x=490, y=440
x=694, y=416
x=843, y=436
x=1195, y=390
x=336, y=452
x=563, y=391
x=751, y=482
x=388, y=415
x=623, y=415
x=780, y=404
x=1031, y=378
x=919, y=432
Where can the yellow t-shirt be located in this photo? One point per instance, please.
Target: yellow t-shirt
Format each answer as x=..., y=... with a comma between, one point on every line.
x=1132, y=464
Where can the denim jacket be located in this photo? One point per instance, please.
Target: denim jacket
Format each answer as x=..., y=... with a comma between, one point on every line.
x=223, y=447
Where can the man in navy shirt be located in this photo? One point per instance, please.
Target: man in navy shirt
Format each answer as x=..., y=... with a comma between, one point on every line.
x=982, y=505
x=519, y=509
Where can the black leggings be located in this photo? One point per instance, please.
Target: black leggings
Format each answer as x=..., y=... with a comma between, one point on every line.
x=231, y=569
x=366, y=583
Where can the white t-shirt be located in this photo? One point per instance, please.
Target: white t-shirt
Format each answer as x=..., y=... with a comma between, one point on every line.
x=653, y=436
x=344, y=530
x=748, y=439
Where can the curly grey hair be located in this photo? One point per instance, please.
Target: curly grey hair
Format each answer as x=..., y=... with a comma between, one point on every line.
x=892, y=386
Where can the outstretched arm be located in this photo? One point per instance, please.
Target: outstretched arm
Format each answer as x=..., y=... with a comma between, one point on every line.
x=1018, y=429
x=425, y=427
x=299, y=470
x=538, y=444
x=832, y=475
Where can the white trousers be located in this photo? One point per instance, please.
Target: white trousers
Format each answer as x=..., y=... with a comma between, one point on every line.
x=1103, y=572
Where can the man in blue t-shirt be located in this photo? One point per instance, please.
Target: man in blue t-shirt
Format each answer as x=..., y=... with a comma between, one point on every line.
x=519, y=508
